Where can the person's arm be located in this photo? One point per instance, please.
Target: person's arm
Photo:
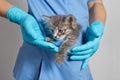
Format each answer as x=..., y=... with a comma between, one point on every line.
x=4, y=6
x=30, y=29
x=96, y=11
x=93, y=34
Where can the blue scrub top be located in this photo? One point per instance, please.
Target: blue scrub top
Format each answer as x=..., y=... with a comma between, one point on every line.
x=37, y=64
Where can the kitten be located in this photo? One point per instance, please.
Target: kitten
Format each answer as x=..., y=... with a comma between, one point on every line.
x=63, y=27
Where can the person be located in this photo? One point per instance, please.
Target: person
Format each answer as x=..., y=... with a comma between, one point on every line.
x=36, y=57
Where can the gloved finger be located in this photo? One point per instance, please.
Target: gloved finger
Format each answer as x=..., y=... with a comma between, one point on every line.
x=85, y=62
x=79, y=57
x=86, y=46
x=82, y=52
x=95, y=48
x=39, y=42
x=46, y=45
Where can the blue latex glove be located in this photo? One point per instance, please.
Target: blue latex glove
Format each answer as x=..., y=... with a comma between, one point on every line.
x=30, y=29
x=92, y=39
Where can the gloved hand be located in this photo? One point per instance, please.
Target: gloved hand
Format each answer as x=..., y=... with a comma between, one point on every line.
x=92, y=39
x=30, y=29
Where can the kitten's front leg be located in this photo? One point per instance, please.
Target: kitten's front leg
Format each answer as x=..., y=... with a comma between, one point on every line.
x=67, y=44
x=60, y=56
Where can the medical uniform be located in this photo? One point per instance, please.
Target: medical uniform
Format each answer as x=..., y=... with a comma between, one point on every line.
x=34, y=63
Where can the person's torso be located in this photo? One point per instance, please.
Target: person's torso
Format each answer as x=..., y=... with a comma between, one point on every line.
x=32, y=59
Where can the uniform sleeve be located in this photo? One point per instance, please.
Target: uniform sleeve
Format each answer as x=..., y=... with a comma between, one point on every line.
x=90, y=0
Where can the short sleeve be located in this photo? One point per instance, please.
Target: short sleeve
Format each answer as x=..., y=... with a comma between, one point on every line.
x=90, y=0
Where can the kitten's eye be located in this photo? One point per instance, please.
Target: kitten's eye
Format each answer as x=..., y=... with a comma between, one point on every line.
x=60, y=31
x=52, y=30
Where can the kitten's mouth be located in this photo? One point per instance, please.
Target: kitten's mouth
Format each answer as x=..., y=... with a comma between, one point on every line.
x=55, y=39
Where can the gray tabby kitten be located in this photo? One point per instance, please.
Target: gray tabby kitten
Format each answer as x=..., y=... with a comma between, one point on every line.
x=63, y=27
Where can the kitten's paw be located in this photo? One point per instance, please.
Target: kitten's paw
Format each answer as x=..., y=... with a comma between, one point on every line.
x=49, y=40
x=60, y=58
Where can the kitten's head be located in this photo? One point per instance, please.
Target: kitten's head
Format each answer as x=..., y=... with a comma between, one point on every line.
x=60, y=25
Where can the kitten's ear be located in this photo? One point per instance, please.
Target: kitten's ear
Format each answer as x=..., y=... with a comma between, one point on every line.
x=72, y=20
x=47, y=18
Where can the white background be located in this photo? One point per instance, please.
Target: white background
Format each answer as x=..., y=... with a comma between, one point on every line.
x=104, y=64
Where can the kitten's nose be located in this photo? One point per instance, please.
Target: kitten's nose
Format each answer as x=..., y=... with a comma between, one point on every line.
x=55, y=36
